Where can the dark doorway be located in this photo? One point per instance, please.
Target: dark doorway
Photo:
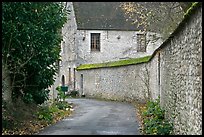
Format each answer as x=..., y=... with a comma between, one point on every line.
x=63, y=80
x=74, y=78
x=82, y=92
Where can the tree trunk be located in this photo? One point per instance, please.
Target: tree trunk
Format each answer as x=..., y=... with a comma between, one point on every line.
x=6, y=84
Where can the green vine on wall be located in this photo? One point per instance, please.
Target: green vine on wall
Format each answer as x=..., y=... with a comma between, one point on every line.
x=193, y=6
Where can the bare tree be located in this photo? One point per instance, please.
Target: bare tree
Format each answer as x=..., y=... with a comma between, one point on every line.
x=158, y=17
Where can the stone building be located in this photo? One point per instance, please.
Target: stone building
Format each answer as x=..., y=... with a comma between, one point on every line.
x=96, y=33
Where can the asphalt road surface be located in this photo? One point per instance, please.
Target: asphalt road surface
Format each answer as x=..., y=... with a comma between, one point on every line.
x=94, y=117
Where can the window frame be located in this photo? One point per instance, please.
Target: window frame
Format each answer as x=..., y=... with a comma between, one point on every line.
x=95, y=41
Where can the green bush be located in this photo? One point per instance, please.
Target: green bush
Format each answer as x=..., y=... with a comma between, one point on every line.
x=30, y=45
x=154, y=122
x=54, y=109
x=61, y=94
x=41, y=97
x=62, y=105
x=45, y=114
x=27, y=98
x=38, y=97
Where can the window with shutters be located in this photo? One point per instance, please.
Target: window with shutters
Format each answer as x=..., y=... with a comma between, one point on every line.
x=141, y=43
x=95, y=41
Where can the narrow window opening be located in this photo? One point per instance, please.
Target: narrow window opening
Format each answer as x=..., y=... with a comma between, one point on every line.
x=69, y=76
x=74, y=78
x=82, y=84
x=63, y=80
x=141, y=42
x=95, y=41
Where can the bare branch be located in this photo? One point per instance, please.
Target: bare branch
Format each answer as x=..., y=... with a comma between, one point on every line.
x=146, y=81
x=26, y=61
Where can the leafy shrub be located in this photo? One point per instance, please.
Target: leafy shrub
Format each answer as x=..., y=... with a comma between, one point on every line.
x=62, y=105
x=31, y=52
x=61, y=94
x=48, y=113
x=38, y=97
x=154, y=109
x=41, y=97
x=54, y=108
x=154, y=122
x=45, y=114
x=28, y=98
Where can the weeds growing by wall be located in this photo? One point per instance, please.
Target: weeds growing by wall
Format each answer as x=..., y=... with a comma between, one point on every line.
x=154, y=120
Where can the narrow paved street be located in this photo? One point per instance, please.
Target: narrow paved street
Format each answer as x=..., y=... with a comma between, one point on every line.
x=93, y=117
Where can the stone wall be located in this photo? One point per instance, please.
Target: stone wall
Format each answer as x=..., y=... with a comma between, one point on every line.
x=174, y=73
x=116, y=83
x=126, y=83
x=181, y=76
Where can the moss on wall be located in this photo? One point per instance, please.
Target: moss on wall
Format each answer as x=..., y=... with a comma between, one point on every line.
x=193, y=6
x=114, y=63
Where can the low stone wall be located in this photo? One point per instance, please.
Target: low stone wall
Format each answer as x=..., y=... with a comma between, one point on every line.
x=125, y=83
x=116, y=83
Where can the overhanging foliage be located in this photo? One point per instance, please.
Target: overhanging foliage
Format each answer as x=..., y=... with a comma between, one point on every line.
x=31, y=44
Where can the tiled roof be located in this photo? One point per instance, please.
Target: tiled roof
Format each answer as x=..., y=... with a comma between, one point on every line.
x=110, y=16
x=102, y=15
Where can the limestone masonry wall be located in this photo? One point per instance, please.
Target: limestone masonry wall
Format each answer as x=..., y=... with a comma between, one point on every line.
x=174, y=73
x=181, y=76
